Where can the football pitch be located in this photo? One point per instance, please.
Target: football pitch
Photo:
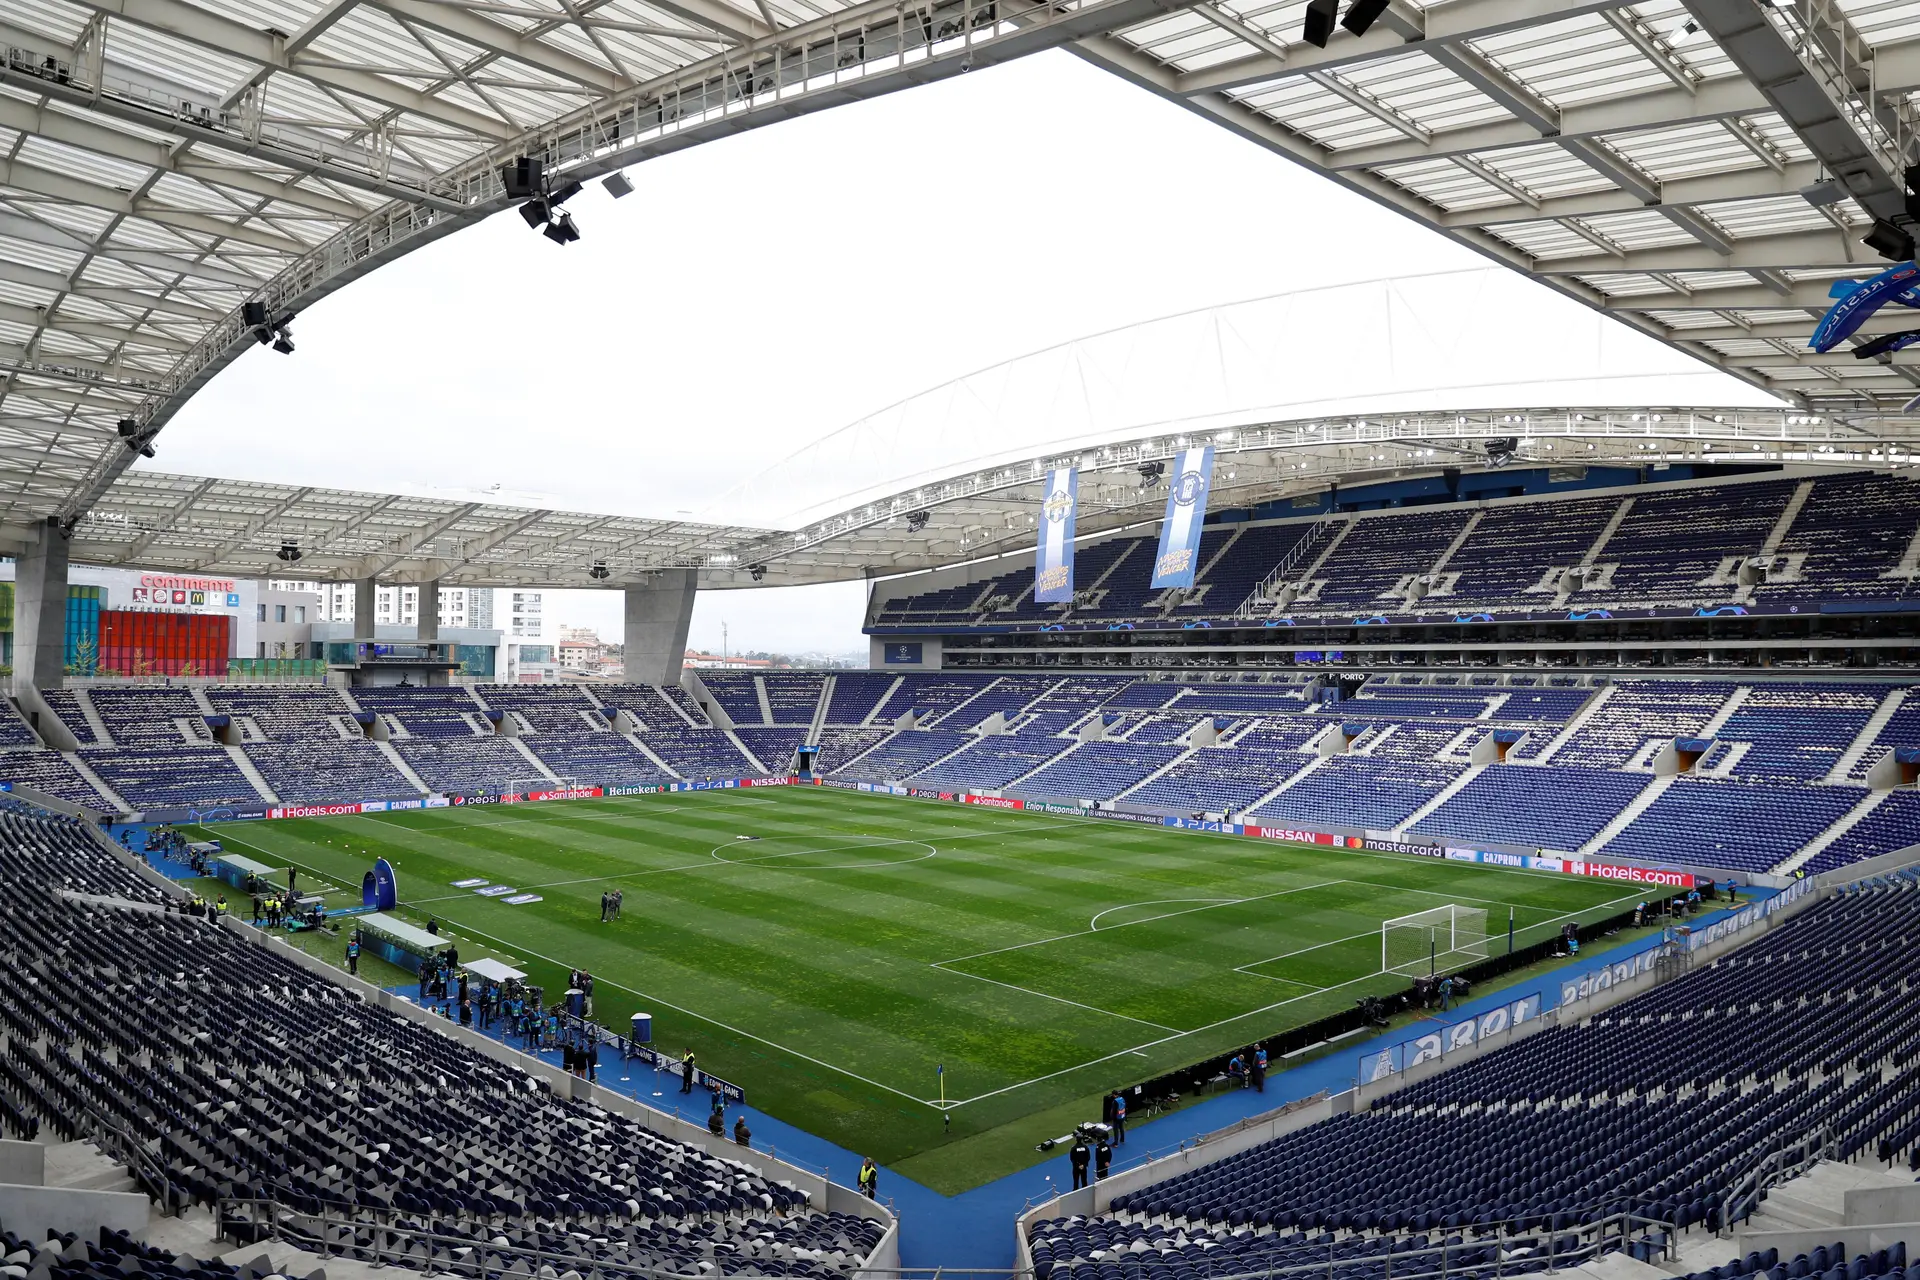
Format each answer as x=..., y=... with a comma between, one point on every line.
x=855, y=943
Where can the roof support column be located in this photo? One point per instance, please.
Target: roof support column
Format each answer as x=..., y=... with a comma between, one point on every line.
x=40, y=611
x=427, y=616
x=659, y=612
x=365, y=604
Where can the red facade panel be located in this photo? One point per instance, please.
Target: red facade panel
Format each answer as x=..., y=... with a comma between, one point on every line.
x=164, y=644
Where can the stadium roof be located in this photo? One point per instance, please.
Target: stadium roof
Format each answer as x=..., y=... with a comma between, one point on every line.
x=197, y=525
x=163, y=162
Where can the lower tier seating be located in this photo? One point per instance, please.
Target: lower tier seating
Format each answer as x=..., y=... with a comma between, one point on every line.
x=253, y=1081
x=1655, y=1106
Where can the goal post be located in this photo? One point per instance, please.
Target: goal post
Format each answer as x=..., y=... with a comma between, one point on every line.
x=517, y=787
x=1433, y=941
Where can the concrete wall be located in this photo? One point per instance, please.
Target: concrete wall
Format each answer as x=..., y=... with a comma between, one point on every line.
x=22, y=1164
x=40, y=610
x=658, y=613
x=31, y=1212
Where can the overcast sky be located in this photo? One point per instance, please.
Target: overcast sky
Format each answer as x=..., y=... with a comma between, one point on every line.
x=756, y=294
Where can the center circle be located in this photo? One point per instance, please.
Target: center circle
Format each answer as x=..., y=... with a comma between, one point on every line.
x=757, y=853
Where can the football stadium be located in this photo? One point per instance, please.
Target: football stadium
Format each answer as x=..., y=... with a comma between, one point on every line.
x=1397, y=832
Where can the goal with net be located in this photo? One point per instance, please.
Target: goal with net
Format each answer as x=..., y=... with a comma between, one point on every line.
x=1433, y=941
x=518, y=787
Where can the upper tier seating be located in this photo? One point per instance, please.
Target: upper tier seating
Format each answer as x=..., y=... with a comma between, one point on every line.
x=352, y=1108
x=1852, y=529
x=1668, y=550
x=1363, y=570
x=1512, y=549
x=442, y=711
x=1558, y=1129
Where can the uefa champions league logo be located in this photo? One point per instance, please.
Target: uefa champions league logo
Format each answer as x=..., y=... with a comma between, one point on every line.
x=1186, y=491
x=1058, y=506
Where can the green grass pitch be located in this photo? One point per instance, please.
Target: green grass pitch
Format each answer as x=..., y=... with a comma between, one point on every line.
x=831, y=963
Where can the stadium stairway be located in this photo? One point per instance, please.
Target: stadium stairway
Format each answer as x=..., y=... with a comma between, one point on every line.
x=1839, y=827
x=1445, y=794
x=1623, y=819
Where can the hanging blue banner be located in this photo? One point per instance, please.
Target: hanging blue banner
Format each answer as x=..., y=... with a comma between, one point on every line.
x=1186, y=512
x=1053, y=564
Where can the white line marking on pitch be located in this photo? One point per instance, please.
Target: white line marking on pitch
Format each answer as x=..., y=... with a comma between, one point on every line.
x=962, y=973
x=608, y=982
x=1167, y=915
x=1094, y=924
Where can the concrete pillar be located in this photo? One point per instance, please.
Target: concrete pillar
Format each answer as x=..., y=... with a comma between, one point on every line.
x=365, y=607
x=427, y=619
x=40, y=611
x=659, y=612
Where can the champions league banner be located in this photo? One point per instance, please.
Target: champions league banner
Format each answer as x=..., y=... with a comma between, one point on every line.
x=1053, y=565
x=1174, y=566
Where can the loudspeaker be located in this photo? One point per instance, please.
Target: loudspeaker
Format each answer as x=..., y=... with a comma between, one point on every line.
x=523, y=177
x=1889, y=241
x=253, y=314
x=1362, y=14
x=1317, y=28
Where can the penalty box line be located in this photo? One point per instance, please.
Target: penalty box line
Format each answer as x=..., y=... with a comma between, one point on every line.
x=1136, y=1050
x=1374, y=932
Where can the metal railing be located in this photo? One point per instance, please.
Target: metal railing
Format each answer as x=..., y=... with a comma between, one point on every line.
x=1783, y=1162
